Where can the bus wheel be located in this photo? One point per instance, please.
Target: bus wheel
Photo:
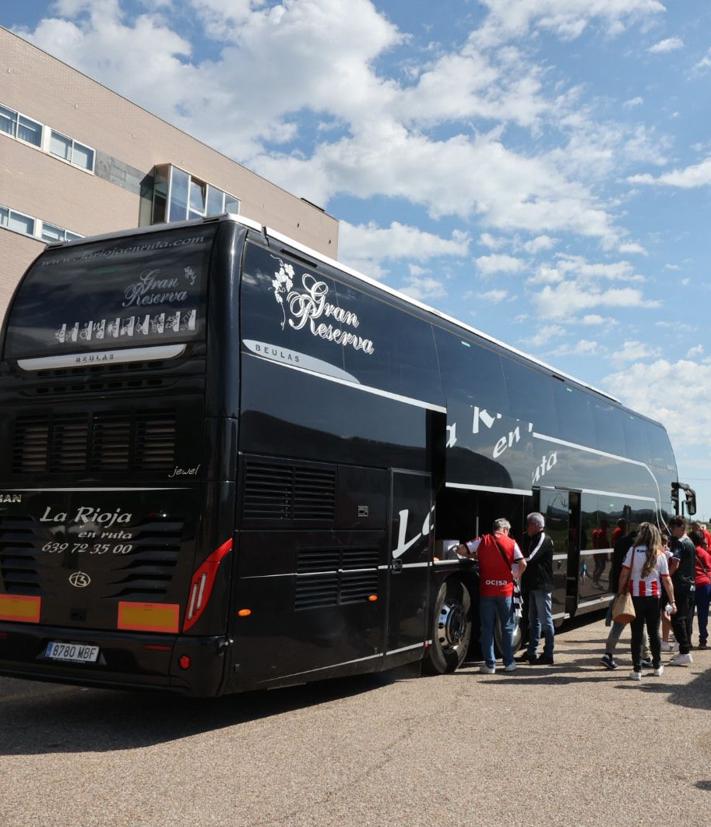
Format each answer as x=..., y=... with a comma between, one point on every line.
x=518, y=636
x=451, y=628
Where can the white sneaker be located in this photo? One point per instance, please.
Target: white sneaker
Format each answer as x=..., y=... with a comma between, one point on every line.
x=487, y=670
x=681, y=660
x=668, y=646
x=635, y=676
x=510, y=668
x=658, y=672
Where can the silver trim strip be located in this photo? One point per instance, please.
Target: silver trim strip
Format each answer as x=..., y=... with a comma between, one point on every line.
x=407, y=400
x=524, y=491
x=165, y=488
x=416, y=565
x=558, y=615
x=446, y=562
x=589, y=551
x=560, y=556
x=556, y=441
x=349, y=662
x=102, y=357
x=618, y=494
x=604, y=599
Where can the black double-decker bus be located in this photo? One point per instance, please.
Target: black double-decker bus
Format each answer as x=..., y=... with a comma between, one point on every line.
x=228, y=463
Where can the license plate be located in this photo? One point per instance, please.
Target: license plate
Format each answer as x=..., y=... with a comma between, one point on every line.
x=73, y=652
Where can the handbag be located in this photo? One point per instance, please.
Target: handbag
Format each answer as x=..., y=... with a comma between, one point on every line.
x=516, y=597
x=623, y=608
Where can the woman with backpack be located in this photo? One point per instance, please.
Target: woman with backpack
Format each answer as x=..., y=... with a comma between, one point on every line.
x=644, y=571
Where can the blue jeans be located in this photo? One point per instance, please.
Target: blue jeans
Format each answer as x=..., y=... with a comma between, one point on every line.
x=489, y=609
x=540, y=613
x=703, y=598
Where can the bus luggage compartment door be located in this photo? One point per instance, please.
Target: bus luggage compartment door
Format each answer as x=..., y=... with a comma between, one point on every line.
x=412, y=540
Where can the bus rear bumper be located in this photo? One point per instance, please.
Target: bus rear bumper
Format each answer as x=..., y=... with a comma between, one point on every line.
x=182, y=664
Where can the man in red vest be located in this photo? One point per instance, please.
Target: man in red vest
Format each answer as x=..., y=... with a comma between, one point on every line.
x=500, y=561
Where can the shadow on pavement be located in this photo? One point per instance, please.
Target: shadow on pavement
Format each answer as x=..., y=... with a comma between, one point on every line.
x=94, y=720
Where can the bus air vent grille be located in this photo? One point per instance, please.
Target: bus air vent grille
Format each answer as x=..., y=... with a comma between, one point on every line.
x=316, y=592
x=17, y=556
x=288, y=492
x=78, y=443
x=149, y=568
x=357, y=586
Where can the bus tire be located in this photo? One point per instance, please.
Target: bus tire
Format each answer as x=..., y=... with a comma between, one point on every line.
x=451, y=628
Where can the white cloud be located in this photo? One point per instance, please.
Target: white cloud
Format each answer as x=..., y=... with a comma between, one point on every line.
x=632, y=351
x=367, y=246
x=494, y=296
x=567, y=19
x=320, y=56
x=539, y=244
x=499, y=263
x=632, y=102
x=583, y=271
x=567, y=298
x=422, y=287
x=592, y=319
x=544, y=335
x=695, y=175
x=670, y=44
x=492, y=242
x=583, y=347
x=695, y=352
x=704, y=63
x=632, y=247
x=645, y=386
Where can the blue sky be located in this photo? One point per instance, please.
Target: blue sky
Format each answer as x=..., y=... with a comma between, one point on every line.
x=539, y=168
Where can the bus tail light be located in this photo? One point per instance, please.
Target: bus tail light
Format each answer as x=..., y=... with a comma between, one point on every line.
x=20, y=608
x=202, y=583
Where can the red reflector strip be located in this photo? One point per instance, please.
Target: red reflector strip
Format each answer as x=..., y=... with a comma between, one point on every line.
x=202, y=583
x=148, y=617
x=20, y=608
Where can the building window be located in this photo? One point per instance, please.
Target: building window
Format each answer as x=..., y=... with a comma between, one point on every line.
x=17, y=221
x=34, y=227
x=178, y=196
x=52, y=234
x=72, y=151
x=18, y=126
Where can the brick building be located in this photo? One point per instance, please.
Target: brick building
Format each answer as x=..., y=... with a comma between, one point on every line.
x=77, y=159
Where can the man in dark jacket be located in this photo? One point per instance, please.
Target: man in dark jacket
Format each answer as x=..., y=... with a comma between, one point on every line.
x=537, y=585
x=682, y=568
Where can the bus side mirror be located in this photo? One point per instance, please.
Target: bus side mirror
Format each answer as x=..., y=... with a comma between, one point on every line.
x=690, y=502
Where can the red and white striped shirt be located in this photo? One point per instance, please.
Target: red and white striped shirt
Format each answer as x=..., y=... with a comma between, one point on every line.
x=650, y=586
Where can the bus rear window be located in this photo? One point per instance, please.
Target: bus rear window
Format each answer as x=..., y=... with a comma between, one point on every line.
x=125, y=292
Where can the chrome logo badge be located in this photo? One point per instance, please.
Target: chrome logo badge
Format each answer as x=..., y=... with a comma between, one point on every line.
x=79, y=579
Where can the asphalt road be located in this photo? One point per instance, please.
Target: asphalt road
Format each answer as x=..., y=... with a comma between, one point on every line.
x=569, y=744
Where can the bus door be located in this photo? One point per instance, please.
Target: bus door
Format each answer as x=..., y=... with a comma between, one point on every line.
x=412, y=538
x=555, y=505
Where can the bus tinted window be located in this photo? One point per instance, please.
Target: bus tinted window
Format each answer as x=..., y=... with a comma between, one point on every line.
x=309, y=318
x=660, y=450
x=405, y=360
x=575, y=419
x=471, y=372
x=636, y=437
x=609, y=428
x=531, y=395
x=124, y=292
